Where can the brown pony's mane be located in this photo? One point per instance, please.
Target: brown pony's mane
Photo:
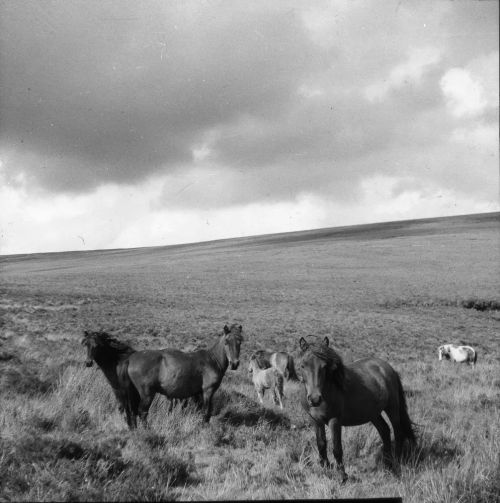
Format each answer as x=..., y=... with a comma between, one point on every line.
x=109, y=343
x=334, y=360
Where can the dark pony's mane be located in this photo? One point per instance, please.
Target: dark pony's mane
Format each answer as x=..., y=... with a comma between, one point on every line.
x=110, y=344
x=327, y=354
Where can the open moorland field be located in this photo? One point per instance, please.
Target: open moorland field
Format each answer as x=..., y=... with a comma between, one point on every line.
x=395, y=290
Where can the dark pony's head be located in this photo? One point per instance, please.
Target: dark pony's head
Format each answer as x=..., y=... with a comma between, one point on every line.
x=319, y=366
x=103, y=348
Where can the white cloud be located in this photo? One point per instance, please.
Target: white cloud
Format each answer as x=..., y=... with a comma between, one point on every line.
x=419, y=61
x=114, y=218
x=463, y=93
x=471, y=90
x=479, y=136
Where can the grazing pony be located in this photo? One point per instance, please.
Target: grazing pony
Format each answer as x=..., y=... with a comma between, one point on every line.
x=351, y=395
x=281, y=361
x=263, y=379
x=458, y=354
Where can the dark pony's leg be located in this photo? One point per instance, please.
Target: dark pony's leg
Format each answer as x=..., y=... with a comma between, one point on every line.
x=129, y=395
x=321, y=443
x=401, y=422
x=336, y=430
x=198, y=400
x=385, y=433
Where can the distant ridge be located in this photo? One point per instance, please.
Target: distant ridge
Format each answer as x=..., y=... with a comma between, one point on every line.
x=382, y=230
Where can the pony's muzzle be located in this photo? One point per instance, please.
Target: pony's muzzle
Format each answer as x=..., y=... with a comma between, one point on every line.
x=314, y=400
x=89, y=363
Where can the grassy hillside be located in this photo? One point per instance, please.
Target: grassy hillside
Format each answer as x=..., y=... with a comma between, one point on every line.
x=396, y=290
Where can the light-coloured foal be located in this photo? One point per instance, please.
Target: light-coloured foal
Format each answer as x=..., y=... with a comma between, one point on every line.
x=267, y=379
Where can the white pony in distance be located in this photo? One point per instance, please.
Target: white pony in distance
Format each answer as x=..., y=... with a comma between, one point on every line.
x=460, y=354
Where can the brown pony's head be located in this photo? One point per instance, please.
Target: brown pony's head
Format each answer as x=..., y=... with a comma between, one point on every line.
x=319, y=366
x=232, y=342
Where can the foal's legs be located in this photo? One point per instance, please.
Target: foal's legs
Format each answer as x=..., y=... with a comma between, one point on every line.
x=385, y=433
x=336, y=429
x=278, y=397
x=260, y=394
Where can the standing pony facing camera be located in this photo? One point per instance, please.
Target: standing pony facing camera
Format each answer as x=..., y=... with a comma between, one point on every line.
x=350, y=395
x=460, y=354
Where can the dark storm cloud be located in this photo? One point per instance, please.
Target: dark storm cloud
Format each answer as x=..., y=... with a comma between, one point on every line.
x=96, y=92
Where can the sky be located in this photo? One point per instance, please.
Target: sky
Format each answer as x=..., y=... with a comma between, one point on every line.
x=134, y=123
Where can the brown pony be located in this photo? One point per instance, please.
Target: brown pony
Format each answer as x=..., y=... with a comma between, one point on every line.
x=350, y=395
x=136, y=376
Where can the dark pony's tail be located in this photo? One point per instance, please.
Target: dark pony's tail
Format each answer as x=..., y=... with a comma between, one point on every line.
x=130, y=395
x=475, y=357
x=404, y=418
x=290, y=366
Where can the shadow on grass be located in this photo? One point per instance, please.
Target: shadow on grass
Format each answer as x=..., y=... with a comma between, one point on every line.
x=433, y=450
x=126, y=467
x=237, y=409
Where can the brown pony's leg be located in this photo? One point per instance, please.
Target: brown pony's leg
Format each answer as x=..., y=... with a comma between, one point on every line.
x=207, y=402
x=336, y=429
x=144, y=405
x=385, y=433
x=321, y=443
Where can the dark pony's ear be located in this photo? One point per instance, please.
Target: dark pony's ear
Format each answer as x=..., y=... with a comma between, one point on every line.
x=303, y=344
x=326, y=341
x=226, y=329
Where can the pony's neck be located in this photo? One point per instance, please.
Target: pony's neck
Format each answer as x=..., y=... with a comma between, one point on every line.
x=218, y=353
x=108, y=362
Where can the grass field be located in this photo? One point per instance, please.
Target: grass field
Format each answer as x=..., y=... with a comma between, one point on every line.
x=395, y=290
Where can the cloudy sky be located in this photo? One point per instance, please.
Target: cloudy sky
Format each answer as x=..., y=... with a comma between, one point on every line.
x=138, y=123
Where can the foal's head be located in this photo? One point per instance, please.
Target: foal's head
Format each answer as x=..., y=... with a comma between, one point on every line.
x=232, y=341
x=320, y=365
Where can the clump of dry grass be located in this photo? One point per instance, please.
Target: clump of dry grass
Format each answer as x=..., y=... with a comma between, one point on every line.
x=65, y=439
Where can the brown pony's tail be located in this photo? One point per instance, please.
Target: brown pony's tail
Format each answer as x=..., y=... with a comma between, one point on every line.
x=290, y=366
x=404, y=418
x=130, y=395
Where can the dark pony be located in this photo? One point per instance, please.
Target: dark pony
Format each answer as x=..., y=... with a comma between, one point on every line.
x=111, y=355
x=350, y=395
